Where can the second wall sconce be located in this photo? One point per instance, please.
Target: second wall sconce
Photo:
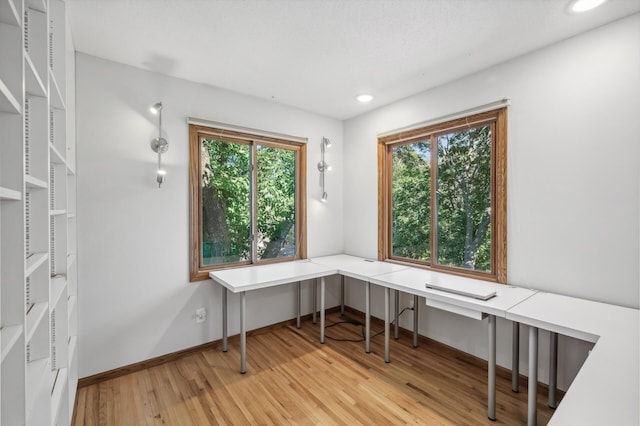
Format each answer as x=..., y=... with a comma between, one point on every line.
x=323, y=166
x=159, y=145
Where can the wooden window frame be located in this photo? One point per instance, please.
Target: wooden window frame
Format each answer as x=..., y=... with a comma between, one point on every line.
x=199, y=272
x=498, y=120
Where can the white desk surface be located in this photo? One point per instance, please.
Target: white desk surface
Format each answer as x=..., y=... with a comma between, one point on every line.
x=413, y=281
x=606, y=390
x=357, y=267
x=261, y=276
x=579, y=318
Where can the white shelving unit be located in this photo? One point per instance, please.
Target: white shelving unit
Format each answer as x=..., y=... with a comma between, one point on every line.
x=38, y=266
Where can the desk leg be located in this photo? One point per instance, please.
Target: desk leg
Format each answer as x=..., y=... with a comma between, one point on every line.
x=243, y=332
x=322, y=310
x=342, y=295
x=396, y=325
x=367, y=317
x=298, y=305
x=415, y=321
x=314, y=302
x=387, y=314
x=515, y=358
x=224, y=319
x=553, y=369
x=491, y=403
x=532, y=418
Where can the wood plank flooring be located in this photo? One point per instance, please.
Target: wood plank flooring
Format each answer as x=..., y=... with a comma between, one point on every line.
x=292, y=379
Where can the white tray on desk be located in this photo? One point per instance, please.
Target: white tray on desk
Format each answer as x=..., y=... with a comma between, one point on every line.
x=477, y=291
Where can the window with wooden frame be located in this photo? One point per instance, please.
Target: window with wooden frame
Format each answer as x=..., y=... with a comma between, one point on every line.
x=247, y=200
x=442, y=193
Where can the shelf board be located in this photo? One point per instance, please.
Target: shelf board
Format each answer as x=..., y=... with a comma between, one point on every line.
x=8, y=102
x=58, y=283
x=9, y=336
x=9, y=14
x=33, y=82
x=34, y=261
x=57, y=100
x=56, y=395
x=57, y=212
x=39, y=5
x=34, y=318
x=71, y=258
x=71, y=215
x=35, y=183
x=10, y=194
x=56, y=157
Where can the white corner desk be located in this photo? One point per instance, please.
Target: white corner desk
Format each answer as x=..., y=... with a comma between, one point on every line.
x=241, y=280
x=414, y=281
x=606, y=390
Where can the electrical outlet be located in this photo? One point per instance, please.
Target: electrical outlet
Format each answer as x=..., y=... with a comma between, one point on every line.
x=201, y=315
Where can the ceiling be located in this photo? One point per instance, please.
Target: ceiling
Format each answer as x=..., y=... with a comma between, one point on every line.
x=317, y=55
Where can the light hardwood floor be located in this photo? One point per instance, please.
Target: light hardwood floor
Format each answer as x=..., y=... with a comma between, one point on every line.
x=292, y=379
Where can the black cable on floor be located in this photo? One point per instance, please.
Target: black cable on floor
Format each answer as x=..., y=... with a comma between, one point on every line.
x=356, y=323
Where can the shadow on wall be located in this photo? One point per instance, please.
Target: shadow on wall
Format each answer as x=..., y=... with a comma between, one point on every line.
x=259, y=314
x=160, y=64
x=173, y=337
x=166, y=326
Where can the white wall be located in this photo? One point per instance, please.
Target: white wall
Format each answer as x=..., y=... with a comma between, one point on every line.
x=573, y=161
x=136, y=301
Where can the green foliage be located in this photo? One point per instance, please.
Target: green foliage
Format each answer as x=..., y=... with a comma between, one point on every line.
x=227, y=174
x=276, y=201
x=463, y=199
x=411, y=211
x=227, y=171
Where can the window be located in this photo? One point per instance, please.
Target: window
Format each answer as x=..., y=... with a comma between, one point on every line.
x=247, y=200
x=442, y=196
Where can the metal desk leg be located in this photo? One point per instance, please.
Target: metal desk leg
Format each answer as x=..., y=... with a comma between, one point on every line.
x=387, y=314
x=367, y=317
x=491, y=403
x=224, y=319
x=532, y=417
x=322, y=310
x=298, y=305
x=243, y=332
x=314, y=303
x=515, y=357
x=553, y=369
x=396, y=297
x=342, y=295
x=415, y=321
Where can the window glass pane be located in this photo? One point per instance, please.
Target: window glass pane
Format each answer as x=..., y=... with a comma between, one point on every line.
x=463, y=199
x=276, y=202
x=226, y=202
x=410, y=207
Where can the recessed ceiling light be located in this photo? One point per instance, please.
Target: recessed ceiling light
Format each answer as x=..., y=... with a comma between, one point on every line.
x=364, y=98
x=584, y=5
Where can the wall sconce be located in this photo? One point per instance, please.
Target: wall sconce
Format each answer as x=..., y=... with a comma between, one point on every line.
x=323, y=166
x=159, y=144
